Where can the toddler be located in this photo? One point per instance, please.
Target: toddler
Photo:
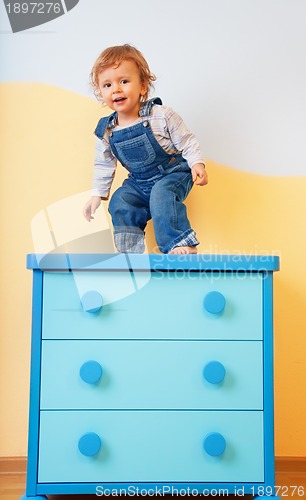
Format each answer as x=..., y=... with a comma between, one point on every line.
x=152, y=142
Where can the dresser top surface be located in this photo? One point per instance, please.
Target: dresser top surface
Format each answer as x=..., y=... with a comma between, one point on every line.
x=155, y=262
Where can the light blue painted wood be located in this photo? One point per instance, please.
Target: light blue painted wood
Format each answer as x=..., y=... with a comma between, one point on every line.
x=155, y=372
x=174, y=489
x=199, y=262
x=151, y=446
x=35, y=382
x=268, y=372
x=151, y=374
x=170, y=305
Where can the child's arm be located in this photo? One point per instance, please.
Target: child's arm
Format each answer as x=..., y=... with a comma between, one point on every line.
x=104, y=172
x=198, y=171
x=186, y=142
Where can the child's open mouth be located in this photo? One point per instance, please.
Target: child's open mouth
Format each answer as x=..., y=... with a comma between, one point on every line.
x=119, y=99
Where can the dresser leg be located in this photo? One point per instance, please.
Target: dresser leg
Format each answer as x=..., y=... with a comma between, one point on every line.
x=38, y=497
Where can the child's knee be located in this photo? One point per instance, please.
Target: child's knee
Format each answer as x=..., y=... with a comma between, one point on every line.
x=117, y=202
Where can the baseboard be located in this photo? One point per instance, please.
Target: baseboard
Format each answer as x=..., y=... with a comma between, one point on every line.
x=290, y=464
x=13, y=465
x=18, y=465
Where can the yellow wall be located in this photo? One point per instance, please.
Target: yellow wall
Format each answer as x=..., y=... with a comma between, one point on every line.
x=47, y=155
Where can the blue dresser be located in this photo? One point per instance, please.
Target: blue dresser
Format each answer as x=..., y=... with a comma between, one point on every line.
x=151, y=373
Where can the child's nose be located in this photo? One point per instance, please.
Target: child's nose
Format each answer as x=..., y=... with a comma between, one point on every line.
x=117, y=88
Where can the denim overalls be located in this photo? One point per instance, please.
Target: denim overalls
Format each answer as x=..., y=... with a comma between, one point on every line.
x=156, y=187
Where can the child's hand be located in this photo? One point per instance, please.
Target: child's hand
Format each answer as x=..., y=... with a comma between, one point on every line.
x=198, y=170
x=91, y=206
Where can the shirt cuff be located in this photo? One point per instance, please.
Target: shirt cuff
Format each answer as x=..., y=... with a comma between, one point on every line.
x=102, y=193
x=197, y=161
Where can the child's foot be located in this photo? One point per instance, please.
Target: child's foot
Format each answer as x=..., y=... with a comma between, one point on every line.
x=183, y=250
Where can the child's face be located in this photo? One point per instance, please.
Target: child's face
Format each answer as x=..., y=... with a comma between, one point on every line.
x=121, y=89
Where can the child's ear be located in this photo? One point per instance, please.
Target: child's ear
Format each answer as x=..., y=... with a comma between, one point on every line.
x=144, y=89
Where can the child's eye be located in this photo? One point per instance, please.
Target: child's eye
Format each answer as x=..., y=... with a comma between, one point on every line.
x=124, y=81
x=106, y=85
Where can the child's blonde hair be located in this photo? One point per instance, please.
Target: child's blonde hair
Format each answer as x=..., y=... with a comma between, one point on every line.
x=113, y=56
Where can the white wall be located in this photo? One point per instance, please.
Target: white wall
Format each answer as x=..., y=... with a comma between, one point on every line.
x=234, y=69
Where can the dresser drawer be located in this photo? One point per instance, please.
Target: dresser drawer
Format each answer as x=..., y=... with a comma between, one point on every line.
x=151, y=374
x=170, y=305
x=150, y=446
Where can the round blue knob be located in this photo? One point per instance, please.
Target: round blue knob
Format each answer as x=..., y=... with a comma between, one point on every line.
x=214, y=302
x=89, y=444
x=91, y=372
x=214, y=444
x=214, y=372
x=92, y=301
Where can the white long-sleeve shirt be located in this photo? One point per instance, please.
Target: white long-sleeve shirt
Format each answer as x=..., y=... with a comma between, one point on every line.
x=169, y=130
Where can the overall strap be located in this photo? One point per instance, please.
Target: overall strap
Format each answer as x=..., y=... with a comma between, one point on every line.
x=145, y=109
x=104, y=123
